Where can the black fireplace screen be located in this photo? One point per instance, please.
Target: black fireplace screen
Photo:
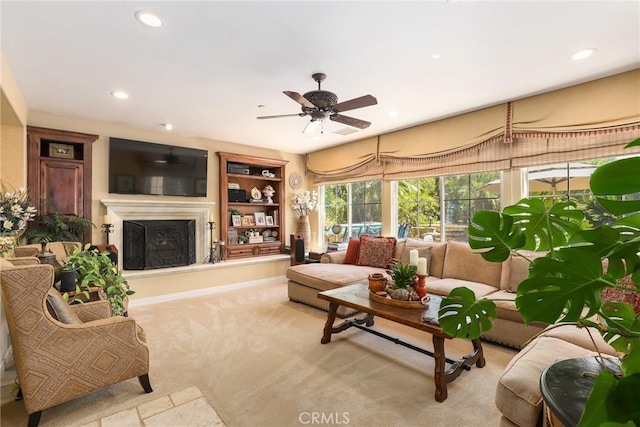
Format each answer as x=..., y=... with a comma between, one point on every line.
x=158, y=244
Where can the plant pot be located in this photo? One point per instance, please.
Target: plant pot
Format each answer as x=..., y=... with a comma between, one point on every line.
x=8, y=242
x=67, y=281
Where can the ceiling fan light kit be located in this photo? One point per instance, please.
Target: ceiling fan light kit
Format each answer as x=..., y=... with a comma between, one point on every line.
x=322, y=104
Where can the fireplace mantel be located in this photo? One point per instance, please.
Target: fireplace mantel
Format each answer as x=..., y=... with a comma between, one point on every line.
x=120, y=210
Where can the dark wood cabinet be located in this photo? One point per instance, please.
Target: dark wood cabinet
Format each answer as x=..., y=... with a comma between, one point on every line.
x=239, y=175
x=59, y=171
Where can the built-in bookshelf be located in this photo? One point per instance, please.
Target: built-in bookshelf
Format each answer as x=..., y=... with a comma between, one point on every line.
x=249, y=210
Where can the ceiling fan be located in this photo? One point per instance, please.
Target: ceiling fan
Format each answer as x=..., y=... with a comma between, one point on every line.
x=322, y=104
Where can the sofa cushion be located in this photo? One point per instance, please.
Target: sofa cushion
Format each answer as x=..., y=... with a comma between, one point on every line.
x=461, y=263
x=582, y=337
x=506, y=309
x=445, y=286
x=376, y=251
x=433, y=251
x=516, y=269
x=352, y=251
x=518, y=394
x=330, y=276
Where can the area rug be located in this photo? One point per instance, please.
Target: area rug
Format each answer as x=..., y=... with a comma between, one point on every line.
x=256, y=358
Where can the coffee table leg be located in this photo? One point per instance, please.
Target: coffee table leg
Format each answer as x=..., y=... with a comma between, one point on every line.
x=328, y=327
x=439, y=373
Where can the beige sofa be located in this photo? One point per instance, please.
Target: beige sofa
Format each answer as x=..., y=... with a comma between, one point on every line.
x=451, y=264
x=518, y=394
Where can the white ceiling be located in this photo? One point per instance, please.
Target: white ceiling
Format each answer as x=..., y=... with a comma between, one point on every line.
x=207, y=70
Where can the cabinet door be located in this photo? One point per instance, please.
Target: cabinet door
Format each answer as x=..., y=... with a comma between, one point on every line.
x=61, y=184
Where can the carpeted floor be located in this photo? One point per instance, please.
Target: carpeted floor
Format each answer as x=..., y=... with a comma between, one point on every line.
x=256, y=357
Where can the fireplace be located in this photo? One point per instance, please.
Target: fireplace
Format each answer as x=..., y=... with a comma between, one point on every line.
x=122, y=210
x=150, y=244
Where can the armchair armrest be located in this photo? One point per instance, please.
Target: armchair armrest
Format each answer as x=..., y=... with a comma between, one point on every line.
x=333, y=257
x=24, y=260
x=27, y=251
x=90, y=311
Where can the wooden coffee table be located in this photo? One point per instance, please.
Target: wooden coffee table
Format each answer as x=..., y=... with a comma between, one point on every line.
x=357, y=297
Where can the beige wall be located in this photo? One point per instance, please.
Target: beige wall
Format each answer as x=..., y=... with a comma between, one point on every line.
x=13, y=117
x=162, y=284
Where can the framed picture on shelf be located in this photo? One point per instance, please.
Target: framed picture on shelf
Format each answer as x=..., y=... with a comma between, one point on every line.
x=260, y=218
x=236, y=220
x=61, y=151
x=269, y=220
x=248, y=221
x=232, y=237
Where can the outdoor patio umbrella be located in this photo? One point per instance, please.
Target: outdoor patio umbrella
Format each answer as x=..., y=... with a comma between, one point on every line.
x=550, y=178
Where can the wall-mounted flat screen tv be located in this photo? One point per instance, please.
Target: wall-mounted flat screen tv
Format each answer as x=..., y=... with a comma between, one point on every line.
x=137, y=167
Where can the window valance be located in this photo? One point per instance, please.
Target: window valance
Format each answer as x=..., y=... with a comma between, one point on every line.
x=593, y=119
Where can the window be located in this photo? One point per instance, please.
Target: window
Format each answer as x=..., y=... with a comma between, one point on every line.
x=356, y=208
x=559, y=181
x=441, y=208
x=463, y=196
x=418, y=208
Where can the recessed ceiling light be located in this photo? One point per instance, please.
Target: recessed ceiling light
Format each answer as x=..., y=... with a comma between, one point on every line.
x=584, y=53
x=392, y=113
x=120, y=94
x=149, y=19
x=168, y=126
x=436, y=56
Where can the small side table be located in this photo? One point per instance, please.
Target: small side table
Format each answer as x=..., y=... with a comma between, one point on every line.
x=566, y=385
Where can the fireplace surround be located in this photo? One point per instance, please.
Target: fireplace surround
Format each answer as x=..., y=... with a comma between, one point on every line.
x=120, y=210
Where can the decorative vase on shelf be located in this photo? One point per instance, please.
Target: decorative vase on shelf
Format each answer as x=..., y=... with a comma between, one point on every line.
x=304, y=230
x=8, y=242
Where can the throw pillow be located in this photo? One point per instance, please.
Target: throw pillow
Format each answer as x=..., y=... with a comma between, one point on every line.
x=376, y=251
x=352, y=251
x=60, y=309
x=619, y=295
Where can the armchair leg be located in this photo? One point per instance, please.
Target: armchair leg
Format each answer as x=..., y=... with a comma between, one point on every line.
x=34, y=419
x=144, y=382
x=18, y=395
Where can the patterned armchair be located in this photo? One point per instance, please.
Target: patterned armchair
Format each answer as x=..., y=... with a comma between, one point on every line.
x=65, y=351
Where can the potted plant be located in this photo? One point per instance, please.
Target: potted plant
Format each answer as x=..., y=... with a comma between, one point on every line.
x=402, y=275
x=55, y=227
x=95, y=269
x=565, y=285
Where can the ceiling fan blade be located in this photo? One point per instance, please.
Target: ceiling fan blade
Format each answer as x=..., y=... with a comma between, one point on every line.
x=299, y=99
x=352, y=104
x=356, y=123
x=283, y=115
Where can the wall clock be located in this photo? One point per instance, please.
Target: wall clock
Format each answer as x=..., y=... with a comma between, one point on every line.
x=295, y=180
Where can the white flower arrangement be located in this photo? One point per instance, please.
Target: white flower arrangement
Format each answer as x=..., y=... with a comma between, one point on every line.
x=15, y=210
x=305, y=202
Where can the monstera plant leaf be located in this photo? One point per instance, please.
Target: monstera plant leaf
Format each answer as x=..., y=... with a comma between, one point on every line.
x=619, y=178
x=613, y=399
x=559, y=288
x=622, y=318
x=545, y=228
x=495, y=233
x=462, y=316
